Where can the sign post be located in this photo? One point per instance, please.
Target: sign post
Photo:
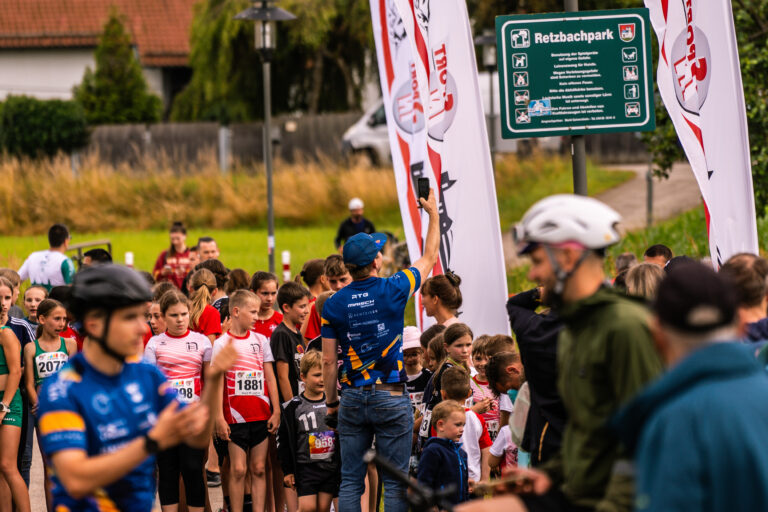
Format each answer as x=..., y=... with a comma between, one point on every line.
x=575, y=73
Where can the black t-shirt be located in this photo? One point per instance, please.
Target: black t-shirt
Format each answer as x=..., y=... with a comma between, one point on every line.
x=416, y=386
x=287, y=346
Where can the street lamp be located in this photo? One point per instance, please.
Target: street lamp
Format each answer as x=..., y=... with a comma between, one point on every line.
x=488, y=43
x=265, y=15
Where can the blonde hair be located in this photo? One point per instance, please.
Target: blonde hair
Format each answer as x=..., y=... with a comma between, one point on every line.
x=201, y=284
x=643, y=280
x=310, y=360
x=444, y=409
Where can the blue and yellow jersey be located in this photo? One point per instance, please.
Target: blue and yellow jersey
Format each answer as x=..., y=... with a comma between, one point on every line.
x=366, y=317
x=83, y=409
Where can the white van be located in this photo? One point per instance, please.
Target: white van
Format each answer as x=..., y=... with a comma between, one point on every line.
x=368, y=137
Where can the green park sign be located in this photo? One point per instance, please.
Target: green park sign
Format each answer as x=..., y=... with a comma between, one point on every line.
x=575, y=73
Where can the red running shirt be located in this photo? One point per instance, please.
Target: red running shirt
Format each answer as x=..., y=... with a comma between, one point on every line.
x=209, y=322
x=246, y=396
x=313, y=323
x=181, y=360
x=267, y=327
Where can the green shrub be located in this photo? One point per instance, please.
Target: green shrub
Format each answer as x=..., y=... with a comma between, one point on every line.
x=32, y=127
x=116, y=92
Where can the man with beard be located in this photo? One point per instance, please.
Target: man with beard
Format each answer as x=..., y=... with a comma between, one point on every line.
x=605, y=355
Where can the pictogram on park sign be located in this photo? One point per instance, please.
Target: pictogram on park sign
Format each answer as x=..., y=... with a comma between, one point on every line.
x=575, y=73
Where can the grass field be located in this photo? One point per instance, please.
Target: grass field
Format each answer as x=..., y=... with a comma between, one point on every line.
x=520, y=182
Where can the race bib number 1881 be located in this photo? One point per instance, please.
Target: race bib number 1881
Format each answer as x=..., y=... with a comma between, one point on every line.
x=249, y=383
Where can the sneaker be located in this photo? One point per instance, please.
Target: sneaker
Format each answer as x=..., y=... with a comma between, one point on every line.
x=213, y=479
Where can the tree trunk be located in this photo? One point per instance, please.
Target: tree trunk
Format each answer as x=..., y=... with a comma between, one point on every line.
x=317, y=81
x=349, y=81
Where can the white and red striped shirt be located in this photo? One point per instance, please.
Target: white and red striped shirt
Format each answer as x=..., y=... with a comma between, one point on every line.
x=181, y=360
x=246, y=396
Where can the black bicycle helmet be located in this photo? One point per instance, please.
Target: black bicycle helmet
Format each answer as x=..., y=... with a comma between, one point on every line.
x=106, y=287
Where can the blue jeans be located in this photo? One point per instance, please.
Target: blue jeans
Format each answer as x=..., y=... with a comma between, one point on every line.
x=363, y=415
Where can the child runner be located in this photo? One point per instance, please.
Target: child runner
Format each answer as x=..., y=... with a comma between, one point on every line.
x=180, y=354
x=14, y=311
x=418, y=378
x=313, y=274
x=203, y=317
x=287, y=342
x=173, y=263
x=435, y=354
x=485, y=401
x=457, y=340
x=503, y=453
x=45, y=357
x=264, y=284
x=246, y=419
x=308, y=448
x=443, y=462
x=475, y=439
x=12, y=486
x=33, y=296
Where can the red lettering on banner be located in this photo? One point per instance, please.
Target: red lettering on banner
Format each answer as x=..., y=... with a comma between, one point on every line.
x=390, y=69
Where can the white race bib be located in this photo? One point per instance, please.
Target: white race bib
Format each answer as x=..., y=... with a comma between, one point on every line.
x=424, y=429
x=493, y=428
x=185, y=389
x=249, y=383
x=48, y=363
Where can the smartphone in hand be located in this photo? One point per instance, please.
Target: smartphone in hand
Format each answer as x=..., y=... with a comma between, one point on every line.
x=422, y=187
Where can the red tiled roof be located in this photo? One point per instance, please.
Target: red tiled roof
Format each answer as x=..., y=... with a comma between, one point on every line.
x=159, y=28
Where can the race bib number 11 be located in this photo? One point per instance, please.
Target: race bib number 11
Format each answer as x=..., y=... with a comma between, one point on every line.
x=249, y=383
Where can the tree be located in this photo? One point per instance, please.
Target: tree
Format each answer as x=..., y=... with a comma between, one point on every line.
x=320, y=63
x=116, y=92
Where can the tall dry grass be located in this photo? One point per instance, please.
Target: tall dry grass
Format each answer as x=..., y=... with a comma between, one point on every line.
x=100, y=197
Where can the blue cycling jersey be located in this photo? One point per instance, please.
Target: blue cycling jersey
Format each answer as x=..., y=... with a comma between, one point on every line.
x=83, y=409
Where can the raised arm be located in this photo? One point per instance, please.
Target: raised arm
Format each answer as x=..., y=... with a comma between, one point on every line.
x=432, y=245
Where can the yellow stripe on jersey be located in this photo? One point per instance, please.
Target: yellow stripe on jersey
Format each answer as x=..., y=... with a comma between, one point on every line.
x=69, y=374
x=354, y=359
x=386, y=350
x=365, y=374
x=60, y=421
x=411, y=279
x=62, y=508
x=323, y=321
x=104, y=503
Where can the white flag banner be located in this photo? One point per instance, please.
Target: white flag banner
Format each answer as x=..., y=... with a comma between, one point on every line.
x=437, y=130
x=699, y=79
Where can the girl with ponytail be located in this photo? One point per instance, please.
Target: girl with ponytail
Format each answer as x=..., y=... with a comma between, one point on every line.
x=203, y=317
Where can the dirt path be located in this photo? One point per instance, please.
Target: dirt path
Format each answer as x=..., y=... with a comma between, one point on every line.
x=671, y=197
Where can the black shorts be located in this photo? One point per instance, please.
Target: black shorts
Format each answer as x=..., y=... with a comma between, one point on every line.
x=222, y=449
x=248, y=435
x=311, y=480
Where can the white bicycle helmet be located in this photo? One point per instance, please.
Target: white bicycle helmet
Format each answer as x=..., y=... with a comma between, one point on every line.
x=568, y=218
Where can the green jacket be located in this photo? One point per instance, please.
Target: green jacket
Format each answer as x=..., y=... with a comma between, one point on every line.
x=605, y=356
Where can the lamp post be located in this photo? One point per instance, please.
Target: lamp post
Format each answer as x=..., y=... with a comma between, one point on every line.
x=265, y=15
x=488, y=43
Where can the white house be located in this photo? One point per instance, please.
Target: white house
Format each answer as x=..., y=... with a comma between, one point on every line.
x=46, y=45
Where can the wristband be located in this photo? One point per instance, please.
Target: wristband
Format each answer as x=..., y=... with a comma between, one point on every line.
x=333, y=404
x=150, y=445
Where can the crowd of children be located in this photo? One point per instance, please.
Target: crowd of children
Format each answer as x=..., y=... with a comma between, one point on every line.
x=271, y=443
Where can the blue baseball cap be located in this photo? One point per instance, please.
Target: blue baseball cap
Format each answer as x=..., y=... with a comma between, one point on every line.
x=362, y=248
